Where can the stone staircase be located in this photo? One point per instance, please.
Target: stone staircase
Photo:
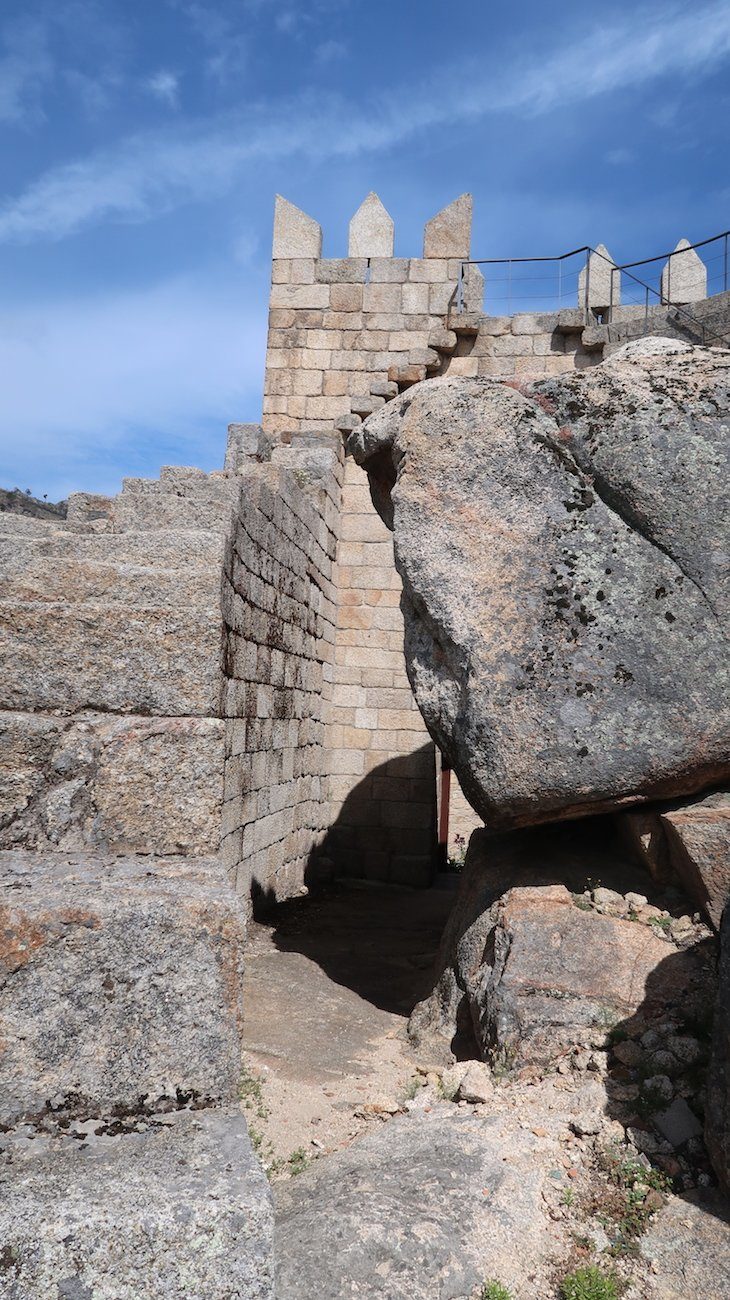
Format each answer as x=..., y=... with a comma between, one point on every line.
x=124, y=1156
x=423, y=363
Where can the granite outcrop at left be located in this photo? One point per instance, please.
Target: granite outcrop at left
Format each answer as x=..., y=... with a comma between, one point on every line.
x=120, y=986
x=172, y=1206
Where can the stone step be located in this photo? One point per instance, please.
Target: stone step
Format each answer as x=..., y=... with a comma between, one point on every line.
x=427, y=357
x=13, y=525
x=406, y=376
x=443, y=341
x=465, y=324
x=168, y=549
x=71, y=581
x=121, y=987
x=211, y=508
x=178, y=1205
x=109, y=783
x=364, y=406
x=111, y=657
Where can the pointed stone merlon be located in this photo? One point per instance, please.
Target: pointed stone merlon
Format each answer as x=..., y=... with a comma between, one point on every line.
x=448, y=234
x=684, y=277
x=295, y=234
x=371, y=230
x=603, y=281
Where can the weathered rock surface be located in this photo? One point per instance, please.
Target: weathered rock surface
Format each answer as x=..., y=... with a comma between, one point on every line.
x=101, y=782
x=688, y=1246
x=177, y=1207
x=533, y=969
x=717, y=1111
x=562, y=552
x=120, y=984
x=688, y=841
x=429, y=1205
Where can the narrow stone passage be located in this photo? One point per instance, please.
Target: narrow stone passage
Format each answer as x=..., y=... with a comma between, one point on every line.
x=330, y=983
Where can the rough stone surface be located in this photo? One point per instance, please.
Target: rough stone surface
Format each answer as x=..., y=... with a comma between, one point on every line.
x=101, y=782
x=717, y=1110
x=295, y=234
x=121, y=983
x=688, y=1247
x=698, y=838
x=244, y=442
x=430, y=1205
x=561, y=555
x=179, y=1208
x=372, y=231
x=554, y=973
x=529, y=967
x=684, y=277
x=448, y=234
x=598, y=285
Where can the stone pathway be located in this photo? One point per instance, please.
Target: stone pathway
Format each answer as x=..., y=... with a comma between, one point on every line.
x=329, y=986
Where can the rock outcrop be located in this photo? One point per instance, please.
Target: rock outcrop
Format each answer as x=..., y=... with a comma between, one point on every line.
x=538, y=961
x=690, y=841
x=427, y=1205
x=562, y=553
x=120, y=984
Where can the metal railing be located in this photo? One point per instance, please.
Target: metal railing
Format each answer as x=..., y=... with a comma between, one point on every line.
x=550, y=284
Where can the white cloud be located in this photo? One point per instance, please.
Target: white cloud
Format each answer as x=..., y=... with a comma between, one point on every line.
x=154, y=172
x=164, y=85
x=92, y=387
x=329, y=52
x=26, y=68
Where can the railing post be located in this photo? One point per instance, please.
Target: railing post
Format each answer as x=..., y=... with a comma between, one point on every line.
x=646, y=309
x=724, y=276
x=588, y=284
x=460, y=290
x=610, y=295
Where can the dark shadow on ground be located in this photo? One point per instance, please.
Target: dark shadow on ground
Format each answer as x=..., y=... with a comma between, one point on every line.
x=378, y=940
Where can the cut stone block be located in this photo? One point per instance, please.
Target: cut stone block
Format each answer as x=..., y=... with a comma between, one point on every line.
x=448, y=234
x=179, y=1208
x=603, y=287
x=684, y=277
x=295, y=234
x=120, y=984
x=244, y=442
x=95, y=781
x=111, y=657
x=372, y=231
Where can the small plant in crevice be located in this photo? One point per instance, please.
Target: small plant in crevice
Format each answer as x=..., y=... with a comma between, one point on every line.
x=626, y=1201
x=251, y=1093
x=590, y=1283
x=456, y=860
x=412, y=1089
x=494, y=1291
x=298, y=1161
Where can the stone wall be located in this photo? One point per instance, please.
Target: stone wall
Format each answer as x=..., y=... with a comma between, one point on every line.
x=279, y=612
x=169, y=661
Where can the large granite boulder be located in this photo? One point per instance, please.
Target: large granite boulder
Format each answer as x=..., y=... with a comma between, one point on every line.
x=175, y=1205
x=562, y=551
x=120, y=984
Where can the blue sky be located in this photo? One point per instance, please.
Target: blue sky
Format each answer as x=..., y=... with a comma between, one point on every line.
x=143, y=143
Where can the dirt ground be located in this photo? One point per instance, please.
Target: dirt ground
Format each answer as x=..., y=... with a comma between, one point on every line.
x=330, y=983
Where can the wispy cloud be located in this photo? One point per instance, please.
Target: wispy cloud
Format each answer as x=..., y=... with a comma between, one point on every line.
x=164, y=85
x=26, y=67
x=329, y=52
x=80, y=375
x=152, y=173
